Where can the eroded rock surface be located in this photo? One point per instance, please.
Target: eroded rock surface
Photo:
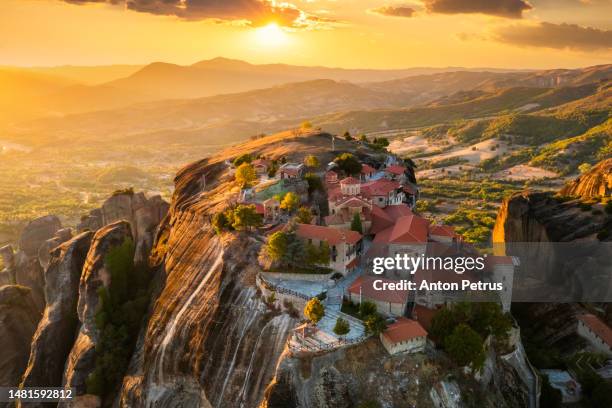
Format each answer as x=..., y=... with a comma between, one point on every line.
x=56, y=330
x=144, y=215
x=81, y=360
x=18, y=317
x=595, y=183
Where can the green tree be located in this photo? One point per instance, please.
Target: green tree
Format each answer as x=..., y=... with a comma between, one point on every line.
x=304, y=215
x=347, y=136
x=245, y=158
x=277, y=246
x=584, y=168
x=220, y=222
x=374, y=324
x=362, y=138
x=366, y=308
x=122, y=305
x=348, y=163
x=306, y=125
x=245, y=175
x=246, y=217
x=342, y=327
x=324, y=253
x=314, y=310
x=311, y=161
x=465, y=346
x=356, y=223
x=314, y=182
x=442, y=325
x=290, y=202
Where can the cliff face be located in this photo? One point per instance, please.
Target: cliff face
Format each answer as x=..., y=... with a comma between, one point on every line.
x=18, y=318
x=81, y=360
x=55, y=333
x=209, y=341
x=144, y=215
x=595, y=183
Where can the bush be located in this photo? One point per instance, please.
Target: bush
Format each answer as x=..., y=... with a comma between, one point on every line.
x=314, y=310
x=342, y=327
x=245, y=158
x=122, y=306
x=348, y=163
x=465, y=346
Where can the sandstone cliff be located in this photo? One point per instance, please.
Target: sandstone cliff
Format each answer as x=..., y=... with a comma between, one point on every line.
x=81, y=360
x=56, y=330
x=595, y=183
x=144, y=215
x=18, y=318
x=210, y=341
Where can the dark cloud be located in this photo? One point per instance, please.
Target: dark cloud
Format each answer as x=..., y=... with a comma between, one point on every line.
x=258, y=12
x=501, y=8
x=394, y=11
x=568, y=36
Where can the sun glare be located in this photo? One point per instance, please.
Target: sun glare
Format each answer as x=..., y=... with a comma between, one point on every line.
x=271, y=35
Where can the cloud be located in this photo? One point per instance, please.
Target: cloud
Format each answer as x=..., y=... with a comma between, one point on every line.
x=257, y=12
x=501, y=8
x=394, y=11
x=561, y=36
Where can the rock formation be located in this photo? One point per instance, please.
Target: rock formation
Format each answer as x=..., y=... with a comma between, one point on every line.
x=81, y=360
x=144, y=215
x=56, y=330
x=18, y=318
x=209, y=341
x=37, y=232
x=595, y=183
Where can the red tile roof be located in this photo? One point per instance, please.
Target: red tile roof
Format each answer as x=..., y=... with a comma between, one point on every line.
x=397, y=211
x=408, y=229
x=350, y=180
x=365, y=285
x=602, y=330
x=332, y=236
x=396, y=169
x=442, y=230
x=404, y=329
x=259, y=208
x=367, y=169
x=424, y=315
x=380, y=187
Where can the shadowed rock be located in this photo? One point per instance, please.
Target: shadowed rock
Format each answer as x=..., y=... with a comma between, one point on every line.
x=37, y=232
x=144, y=215
x=597, y=182
x=18, y=318
x=81, y=360
x=55, y=333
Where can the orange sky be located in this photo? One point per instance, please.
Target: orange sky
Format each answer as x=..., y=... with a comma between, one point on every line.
x=348, y=33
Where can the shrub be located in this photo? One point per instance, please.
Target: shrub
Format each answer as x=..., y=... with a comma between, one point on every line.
x=314, y=310
x=342, y=327
x=122, y=306
x=465, y=346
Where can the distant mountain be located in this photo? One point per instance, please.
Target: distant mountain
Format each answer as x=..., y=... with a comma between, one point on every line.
x=22, y=92
x=87, y=75
x=336, y=106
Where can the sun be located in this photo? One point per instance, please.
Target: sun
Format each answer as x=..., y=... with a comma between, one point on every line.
x=271, y=35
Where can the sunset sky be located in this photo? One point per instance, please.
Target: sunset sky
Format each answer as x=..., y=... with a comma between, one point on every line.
x=346, y=33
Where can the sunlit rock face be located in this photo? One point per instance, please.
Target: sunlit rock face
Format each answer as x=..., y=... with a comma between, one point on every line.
x=18, y=318
x=144, y=215
x=209, y=340
x=81, y=360
x=595, y=183
x=56, y=330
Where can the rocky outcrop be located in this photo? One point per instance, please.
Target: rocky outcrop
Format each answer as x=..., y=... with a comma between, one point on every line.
x=595, y=183
x=8, y=261
x=209, y=340
x=18, y=318
x=144, y=215
x=81, y=360
x=36, y=232
x=56, y=330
